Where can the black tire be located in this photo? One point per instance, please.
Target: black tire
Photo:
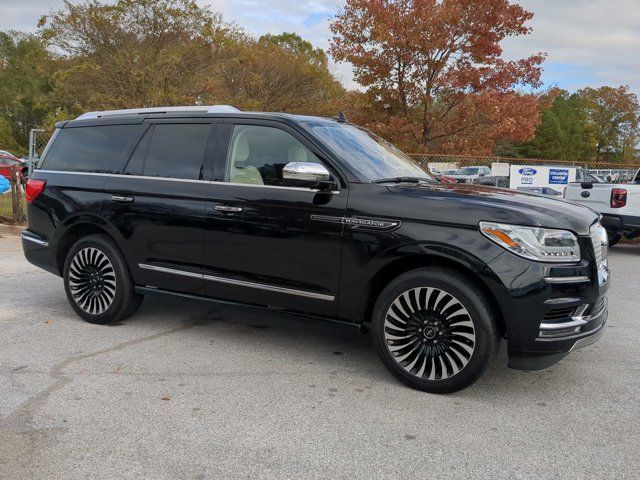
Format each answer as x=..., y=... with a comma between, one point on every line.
x=458, y=312
x=613, y=237
x=97, y=281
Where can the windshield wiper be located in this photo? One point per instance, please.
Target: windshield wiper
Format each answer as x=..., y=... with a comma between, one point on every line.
x=404, y=180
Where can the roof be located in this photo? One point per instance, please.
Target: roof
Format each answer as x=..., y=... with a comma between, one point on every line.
x=160, y=110
x=136, y=115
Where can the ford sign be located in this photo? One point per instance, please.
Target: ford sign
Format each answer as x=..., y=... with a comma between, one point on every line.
x=527, y=171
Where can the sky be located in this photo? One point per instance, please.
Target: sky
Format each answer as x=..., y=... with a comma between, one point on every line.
x=588, y=42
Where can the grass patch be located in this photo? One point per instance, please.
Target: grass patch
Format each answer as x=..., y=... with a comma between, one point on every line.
x=6, y=209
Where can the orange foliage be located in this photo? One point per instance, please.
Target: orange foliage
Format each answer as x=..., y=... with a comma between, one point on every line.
x=434, y=74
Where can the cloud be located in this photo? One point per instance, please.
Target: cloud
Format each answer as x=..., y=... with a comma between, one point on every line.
x=588, y=42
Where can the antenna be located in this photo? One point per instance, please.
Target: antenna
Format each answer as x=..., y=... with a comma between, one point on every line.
x=342, y=118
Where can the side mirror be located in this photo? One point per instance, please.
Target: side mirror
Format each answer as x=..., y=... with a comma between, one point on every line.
x=307, y=173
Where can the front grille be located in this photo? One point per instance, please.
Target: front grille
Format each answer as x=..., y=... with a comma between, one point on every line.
x=559, y=313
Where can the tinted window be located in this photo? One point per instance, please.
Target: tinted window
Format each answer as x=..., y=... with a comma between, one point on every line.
x=176, y=151
x=135, y=166
x=257, y=155
x=371, y=156
x=89, y=149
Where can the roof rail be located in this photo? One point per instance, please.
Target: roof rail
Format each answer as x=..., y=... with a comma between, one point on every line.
x=144, y=111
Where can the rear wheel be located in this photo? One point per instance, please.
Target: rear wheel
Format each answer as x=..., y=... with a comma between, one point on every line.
x=97, y=281
x=434, y=330
x=613, y=237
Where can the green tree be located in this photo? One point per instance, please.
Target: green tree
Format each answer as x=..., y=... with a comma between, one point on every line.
x=614, y=115
x=564, y=132
x=25, y=84
x=136, y=53
x=280, y=73
x=294, y=43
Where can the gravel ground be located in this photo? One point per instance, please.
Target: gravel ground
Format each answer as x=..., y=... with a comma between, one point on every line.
x=188, y=389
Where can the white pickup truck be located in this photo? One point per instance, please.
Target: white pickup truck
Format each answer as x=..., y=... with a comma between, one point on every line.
x=619, y=204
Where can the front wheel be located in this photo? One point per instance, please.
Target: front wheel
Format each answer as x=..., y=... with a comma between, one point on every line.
x=97, y=281
x=434, y=330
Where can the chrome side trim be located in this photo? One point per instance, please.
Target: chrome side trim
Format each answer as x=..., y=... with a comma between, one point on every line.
x=298, y=189
x=183, y=273
x=187, y=180
x=241, y=283
x=29, y=238
x=162, y=179
x=63, y=172
x=271, y=288
x=577, y=279
x=119, y=175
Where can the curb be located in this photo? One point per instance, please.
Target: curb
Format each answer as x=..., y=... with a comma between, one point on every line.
x=11, y=229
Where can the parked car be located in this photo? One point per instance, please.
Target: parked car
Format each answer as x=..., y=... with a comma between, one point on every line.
x=7, y=161
x=468, y=174
x=319, y=218
x=619, y=205
x=5, y=186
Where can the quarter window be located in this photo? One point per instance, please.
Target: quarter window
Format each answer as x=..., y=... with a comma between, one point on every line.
x=90, y=149
x=257, y=155
x=174, y=151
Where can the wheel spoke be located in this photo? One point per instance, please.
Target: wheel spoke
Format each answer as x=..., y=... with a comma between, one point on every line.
x=92, y=280
x=429, y=333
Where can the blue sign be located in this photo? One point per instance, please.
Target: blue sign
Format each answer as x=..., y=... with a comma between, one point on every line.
x=558, y=176
x=527, y=171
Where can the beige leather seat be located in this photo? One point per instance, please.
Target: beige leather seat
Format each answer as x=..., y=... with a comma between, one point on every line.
x=241, y=173
x=298, y=153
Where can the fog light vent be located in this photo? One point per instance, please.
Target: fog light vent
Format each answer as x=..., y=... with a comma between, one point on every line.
x=560, y=313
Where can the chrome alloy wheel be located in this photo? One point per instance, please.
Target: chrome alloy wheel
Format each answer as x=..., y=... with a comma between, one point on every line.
x=92, y=280
x=429, y=333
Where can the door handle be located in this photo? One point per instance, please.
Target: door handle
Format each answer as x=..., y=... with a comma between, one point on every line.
x=228, y=209
x=120, y=198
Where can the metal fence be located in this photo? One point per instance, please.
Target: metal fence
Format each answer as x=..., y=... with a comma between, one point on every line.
x=38, y=139
x=608, y=171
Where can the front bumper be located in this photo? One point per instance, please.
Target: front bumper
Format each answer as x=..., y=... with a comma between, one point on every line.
x=552, y=350
x=549, y=310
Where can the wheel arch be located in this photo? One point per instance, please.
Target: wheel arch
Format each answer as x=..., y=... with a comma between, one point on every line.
x=75, y=232
x=417, y=261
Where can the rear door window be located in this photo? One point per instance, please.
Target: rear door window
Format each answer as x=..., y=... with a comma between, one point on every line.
x=171, y=151
x=90, y=149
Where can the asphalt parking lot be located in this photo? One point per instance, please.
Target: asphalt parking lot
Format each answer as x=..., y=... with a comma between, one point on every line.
x=188, y=389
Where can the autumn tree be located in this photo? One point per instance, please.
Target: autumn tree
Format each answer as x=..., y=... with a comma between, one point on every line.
x=280, y=73
x=434, y=72
x=614, y=116
x=136, y=52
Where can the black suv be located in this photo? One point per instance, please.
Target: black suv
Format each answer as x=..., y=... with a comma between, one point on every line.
x=316, y=217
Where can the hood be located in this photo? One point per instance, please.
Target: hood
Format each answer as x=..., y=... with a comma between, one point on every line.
x=468, y=204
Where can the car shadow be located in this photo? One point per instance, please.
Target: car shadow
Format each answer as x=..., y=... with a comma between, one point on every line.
x=325, y=346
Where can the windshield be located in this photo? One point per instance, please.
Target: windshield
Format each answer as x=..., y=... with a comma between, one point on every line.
x=371, y=156
x=468, y=171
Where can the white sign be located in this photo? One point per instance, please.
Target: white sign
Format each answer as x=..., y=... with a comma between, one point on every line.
x=541, y=179
x=499, y=169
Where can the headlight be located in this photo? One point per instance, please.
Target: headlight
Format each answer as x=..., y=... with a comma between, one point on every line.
x=534, y=243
